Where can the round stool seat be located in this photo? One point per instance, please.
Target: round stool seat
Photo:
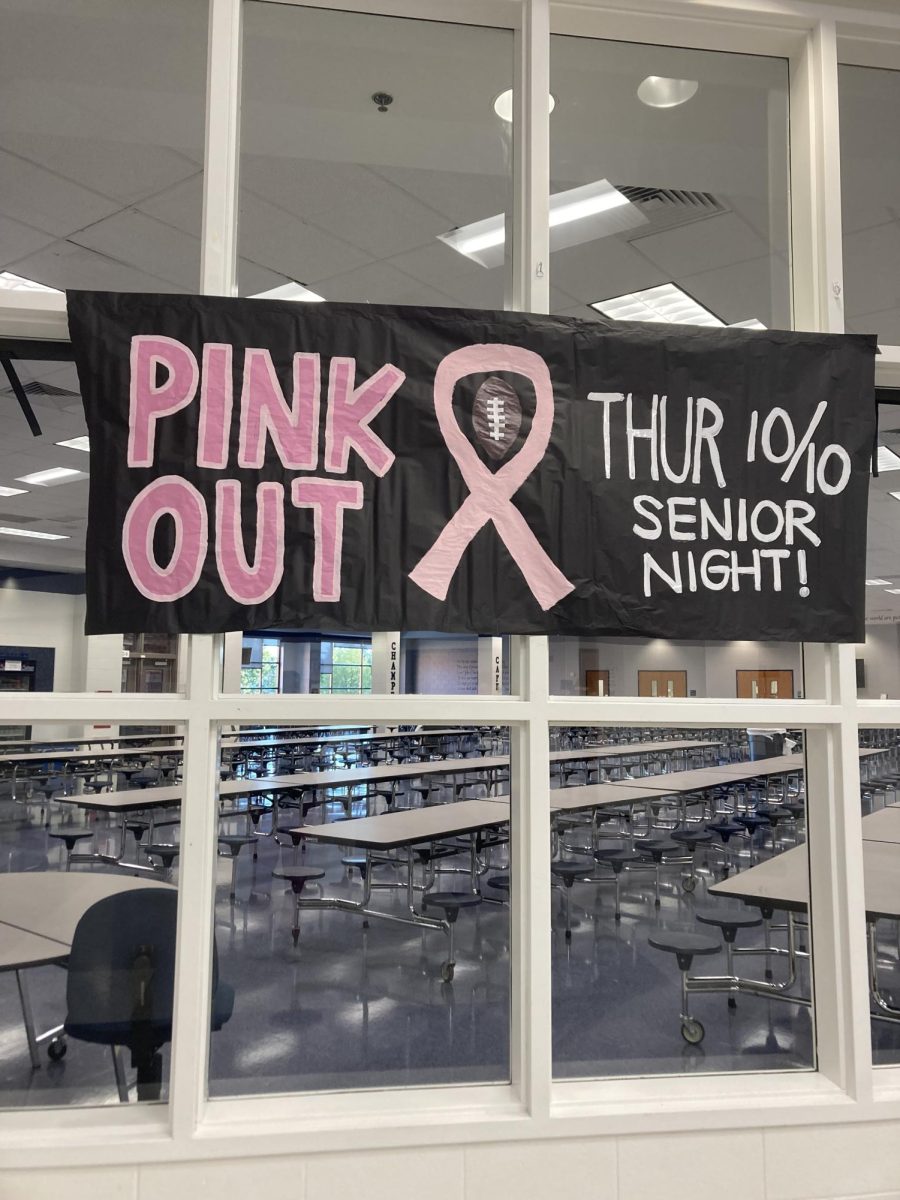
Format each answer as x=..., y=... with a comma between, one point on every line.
x=164, y=851
x=298, y=877
x=450, y=902
x=774, y=813
x=752, y=822
x=684, y=945
x=234, y=843
x=71, y=836
x=691, y=837
x=501, y=882
x=729, y=921
x=655, y=848
x=726, y=829
x=568, y=872
x=604, y=853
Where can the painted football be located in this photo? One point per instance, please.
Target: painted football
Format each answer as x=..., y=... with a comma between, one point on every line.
x=496, y=416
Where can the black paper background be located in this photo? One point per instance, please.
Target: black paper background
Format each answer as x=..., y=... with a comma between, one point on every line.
x=582, y=520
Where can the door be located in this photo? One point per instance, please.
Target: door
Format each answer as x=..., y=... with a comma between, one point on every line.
x=596, y=683
x=662, y=683
x=765, y=685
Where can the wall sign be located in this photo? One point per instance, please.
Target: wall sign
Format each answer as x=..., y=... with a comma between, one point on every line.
x=363, y=467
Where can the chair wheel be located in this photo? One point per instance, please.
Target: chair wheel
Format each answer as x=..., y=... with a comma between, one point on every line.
x=56, y=1050
x=692, y=1032
x=689, y=882
x=447, y=969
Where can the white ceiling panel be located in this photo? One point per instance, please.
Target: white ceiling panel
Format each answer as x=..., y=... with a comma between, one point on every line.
x=17, y=240
x=885, y=324
x=273, y=238
x=380, y=219
x=713, y=242
x=601, y=269
x=65, y=265
x=379, y=283
x=152, y=247
x=302, y=186
x=461, y=197
x=46, y=201
x=125, y=171
x=757, y=288
x=180, y=206
x=872, y=269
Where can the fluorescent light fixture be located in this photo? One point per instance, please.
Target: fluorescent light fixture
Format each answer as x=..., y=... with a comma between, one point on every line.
x=877, y=582
x=18, y=283
x=896, y=495
x=8, y=491
x=581, y=214
x=503, y=105
x=659, y=92
x=9, y=531
x=665, y=304
x=893, y=591
x=79, y=443
x=52, y=476
x=288, y=291
x=887, y=460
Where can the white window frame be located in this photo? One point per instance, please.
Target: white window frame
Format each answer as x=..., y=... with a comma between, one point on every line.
x=845, y=1087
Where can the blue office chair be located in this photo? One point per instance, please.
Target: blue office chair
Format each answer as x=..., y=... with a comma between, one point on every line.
x=121, y=981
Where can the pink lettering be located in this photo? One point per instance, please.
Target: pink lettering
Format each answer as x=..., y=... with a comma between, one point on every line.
x=216, y=400
x=327, y=498
x=350, y=410
x=148, y=401
x=174, y=497
x=294, y=428
x=246, y=584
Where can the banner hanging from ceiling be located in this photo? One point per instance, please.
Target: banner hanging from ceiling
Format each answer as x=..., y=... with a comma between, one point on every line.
x=257, y=464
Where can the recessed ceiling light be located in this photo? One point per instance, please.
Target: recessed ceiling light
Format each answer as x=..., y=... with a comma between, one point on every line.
x=18, y=283
x=666, y=304
x=877, y=582
x=79, y=443
x=887, y=460
x=503, y=105
x=52, y=476
x=288, y=291
x=9, y=531
x=659, y=92
x=8, y=491
x=577, y=215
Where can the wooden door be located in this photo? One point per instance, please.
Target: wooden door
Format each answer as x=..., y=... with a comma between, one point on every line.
x=596, y=683
x=765, y=685
x=662, y=683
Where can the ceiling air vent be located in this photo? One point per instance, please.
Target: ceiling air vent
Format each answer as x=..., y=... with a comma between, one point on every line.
x=36, y=388
x=667, y=208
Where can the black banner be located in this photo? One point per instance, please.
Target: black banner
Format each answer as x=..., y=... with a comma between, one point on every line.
x=361, y=467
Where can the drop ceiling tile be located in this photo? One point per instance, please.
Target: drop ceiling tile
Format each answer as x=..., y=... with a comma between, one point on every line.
x=600, y=269
x=303, y=187
x=458, y=196
x=872, y=270
x=884, y=324
x=180, y=206
x=131, y=237
x=379, y=283
x=701, y=246
x=17, y=240
x=124, y=169
x=46, y=201
x=253, y=278
x=744, y=290
x=272, y=238
x=66, y=265
x=380, y=219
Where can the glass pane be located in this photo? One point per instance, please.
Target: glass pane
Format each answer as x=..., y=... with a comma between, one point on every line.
x=686, y=189
x=678, y=944
x=870, y=186
x=89, y=840
x=352, y=200
x=346, y=654
x=881, y=863
x=654, y=667
x=345, y=861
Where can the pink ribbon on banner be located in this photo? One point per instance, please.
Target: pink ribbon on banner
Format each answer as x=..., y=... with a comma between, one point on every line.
x=490, y=493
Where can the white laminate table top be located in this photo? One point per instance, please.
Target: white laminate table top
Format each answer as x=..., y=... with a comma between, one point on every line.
x=410, y=826
x=51, y=903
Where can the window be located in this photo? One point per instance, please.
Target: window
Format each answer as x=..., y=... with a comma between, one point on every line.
x=345, y=667
x=261, y=666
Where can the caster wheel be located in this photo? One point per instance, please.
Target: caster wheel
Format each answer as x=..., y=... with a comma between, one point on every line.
x=692, y=1032
x=56, y=1050
x=732, y=1003
x=447, y=969
x=689, y=882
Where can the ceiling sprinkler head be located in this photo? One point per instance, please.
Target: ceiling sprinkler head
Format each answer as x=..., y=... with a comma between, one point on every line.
x=383, y=100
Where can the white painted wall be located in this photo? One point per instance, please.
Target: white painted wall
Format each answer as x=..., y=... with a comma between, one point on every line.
x=881, y=654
